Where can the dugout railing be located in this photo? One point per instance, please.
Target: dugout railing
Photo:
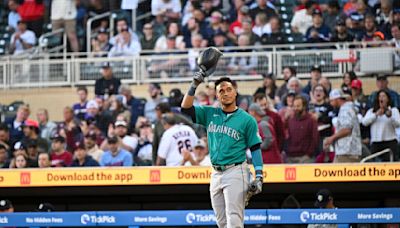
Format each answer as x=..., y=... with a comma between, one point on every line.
x=342, y=217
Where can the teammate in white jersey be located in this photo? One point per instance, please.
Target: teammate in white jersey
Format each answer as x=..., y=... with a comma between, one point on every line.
x=175, y=139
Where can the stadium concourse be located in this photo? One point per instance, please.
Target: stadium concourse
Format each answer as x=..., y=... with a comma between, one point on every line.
x=86, y=84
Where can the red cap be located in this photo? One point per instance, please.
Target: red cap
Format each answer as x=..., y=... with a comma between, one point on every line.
x=31, y=123
x=357, y=84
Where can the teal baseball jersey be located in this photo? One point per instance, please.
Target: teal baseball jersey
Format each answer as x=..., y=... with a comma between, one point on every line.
x=229, y=135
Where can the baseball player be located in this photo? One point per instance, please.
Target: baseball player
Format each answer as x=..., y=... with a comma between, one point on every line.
x=176, y=138
x=230, y=132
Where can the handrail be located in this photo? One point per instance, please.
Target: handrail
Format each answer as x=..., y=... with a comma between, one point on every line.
x=89, y=28
x=377, y=154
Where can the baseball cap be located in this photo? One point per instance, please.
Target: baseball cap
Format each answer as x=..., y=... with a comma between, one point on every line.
x=112, y=140
x=30, y=123
x=45, y=207
x=316, y=12
x=92, y=135
x=315, y=68
x=92, y=104
x=355, y=16
x=323, y=197
x=5, y=204
x=200, y=143
x=379, y=34
x=106, y=65
x=19, y=146
x=340, y=22
x=336, y=93
x=256, y=107
x=244, y=9
x=58, y=138
x=357, y=84
x=120, y=123
x=381, y=77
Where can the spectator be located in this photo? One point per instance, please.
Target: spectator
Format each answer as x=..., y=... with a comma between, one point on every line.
x=118, y=107
x=44, y=160
x=295, y=85
x=269, y=86
x=163, y=109
x=324, y=201
x=287, y=73
x=169, y=9
x=91, y=146
x=318, y=32
x=191, y=29
x=236, y=26
x=107, y=85
x=172, y=31
x=115, y=156
x=6, y=206
x=347, y=136
x=363, y=8
x=261, y=26
x=70, y=129
x=102, y=119
x=269, y=146
x=348, y=78
x=145, y=148
x=247, y=26
x=384, y=119
x=19, y=162
x=276, y=36
x=120, y=130
x=135, y=105
x=274, y=118
x=122, y=26
x=315, y=75
x=324, y=81
x=32, y=11
x=332, y=14
x=82, y=159
x=125, y=45
x=32, y=153
x=369, y=27
x=245, y=64
x=100, y=44
x=359, y=99
x=395, y=30
x=214, y=26
x=15, y=124
x=382, y=83
x=287, y=111
x=175, y=138
x=80, y=107
x=302, y=19
x=59, y=156
x=383, y=13
x=63, y=15
x=156, y=97
x=22, y=40
x=46, y=128
x=199, y=157
x=197, y=42
x=148, y=39
x=175, y=99
x=4, y=163
x=220, y=41
x=45, y=207
x=5, y=138
x=341, y=34
x=356, y=26
x=263, y=6
x=322, y=112
x=31, y=134
x=303, y=134
x=13, y=16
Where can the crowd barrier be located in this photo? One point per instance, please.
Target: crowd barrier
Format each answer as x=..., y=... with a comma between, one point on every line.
x=46, y=71
x=200, y=217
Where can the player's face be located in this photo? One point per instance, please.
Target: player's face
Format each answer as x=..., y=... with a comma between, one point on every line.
x=226, y=94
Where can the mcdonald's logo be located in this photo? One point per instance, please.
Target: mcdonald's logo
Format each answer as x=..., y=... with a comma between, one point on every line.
x=25, y=178
x=290, y=173
x=155, y=176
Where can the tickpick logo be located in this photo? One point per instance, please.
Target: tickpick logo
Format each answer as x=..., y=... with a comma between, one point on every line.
x=190, y=218
x=304, y=216
x=85, y=218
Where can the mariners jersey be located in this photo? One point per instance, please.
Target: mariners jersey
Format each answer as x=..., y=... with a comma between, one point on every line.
x=229, y=135
x=173, y=141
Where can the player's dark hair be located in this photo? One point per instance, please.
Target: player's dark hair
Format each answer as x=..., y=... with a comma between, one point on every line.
x=82, y=88
x=223, y=79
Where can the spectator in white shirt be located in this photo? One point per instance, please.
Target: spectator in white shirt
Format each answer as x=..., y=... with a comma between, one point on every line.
x=120, y=130
x=302, y=19
x=262, y=26
x=22, y=39
x=13, y=16
x=383, y=119
x=125, y=46
x=199, y=157
x=122, y=25
x=63, y=15
x=395, y=30
x=170, y=9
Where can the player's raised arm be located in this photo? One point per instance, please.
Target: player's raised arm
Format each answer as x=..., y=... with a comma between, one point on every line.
x=188, y=99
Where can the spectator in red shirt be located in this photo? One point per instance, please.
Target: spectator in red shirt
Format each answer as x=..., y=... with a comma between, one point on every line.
x=236, y=26
x=303, y=134
x=70, y=129
x=59, y=156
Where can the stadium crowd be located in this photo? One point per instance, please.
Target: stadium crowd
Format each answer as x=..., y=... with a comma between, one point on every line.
x=298, y=124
